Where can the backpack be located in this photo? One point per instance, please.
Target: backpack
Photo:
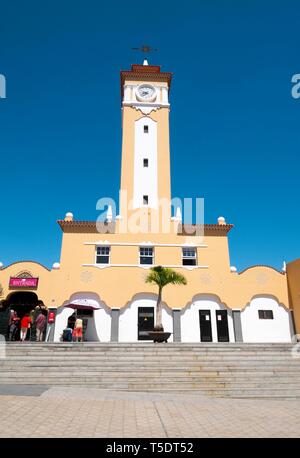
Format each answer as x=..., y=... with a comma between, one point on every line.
x=67, y=335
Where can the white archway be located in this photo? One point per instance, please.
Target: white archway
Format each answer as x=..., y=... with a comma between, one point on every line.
x=276, y=329
x=128, y=321
x=190, y=322
x=99, y=326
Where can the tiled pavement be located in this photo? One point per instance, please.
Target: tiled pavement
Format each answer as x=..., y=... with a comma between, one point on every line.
x=75, y=412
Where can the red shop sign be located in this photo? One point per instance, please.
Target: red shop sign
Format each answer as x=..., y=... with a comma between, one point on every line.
x=17, y=282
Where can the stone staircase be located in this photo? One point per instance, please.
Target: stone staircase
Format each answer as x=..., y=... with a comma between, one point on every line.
x=235, y=370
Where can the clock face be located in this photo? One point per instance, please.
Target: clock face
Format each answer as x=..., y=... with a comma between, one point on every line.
x=146, y=92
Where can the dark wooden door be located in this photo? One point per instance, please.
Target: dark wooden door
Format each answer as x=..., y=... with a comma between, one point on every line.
x=222, y=325
x=205, y=326
x=145, y=322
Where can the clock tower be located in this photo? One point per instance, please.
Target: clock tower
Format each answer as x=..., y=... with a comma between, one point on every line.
x=145, y=171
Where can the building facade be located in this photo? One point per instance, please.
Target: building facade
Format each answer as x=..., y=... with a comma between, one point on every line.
x=104, y=264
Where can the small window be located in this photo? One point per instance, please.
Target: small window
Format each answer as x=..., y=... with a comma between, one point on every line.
x=146, y=129
x=146, y=162
x=189, y=257
x=146, y=255
x=265, y=314
x=145, y=200
x=102, y=256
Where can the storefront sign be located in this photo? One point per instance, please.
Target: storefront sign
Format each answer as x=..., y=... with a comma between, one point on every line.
x=17, y=282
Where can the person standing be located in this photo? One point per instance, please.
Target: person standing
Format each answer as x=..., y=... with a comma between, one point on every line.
x=13, y=329
x=25, y=325
x=10, y=322
x=40, y=324
x=77, y=333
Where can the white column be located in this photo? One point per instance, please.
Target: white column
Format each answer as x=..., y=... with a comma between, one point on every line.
x=127, y=93
x=164, y=91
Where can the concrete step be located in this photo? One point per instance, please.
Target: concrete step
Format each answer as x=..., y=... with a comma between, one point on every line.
x=77, y=347
x=22, y=350
x=151, y=357
x=261, y=366
x=213, y=369
x=209, y=370
x=153, y=361
x=54, y=378
x=157, y=349
x=149, y=344
x=189, y=369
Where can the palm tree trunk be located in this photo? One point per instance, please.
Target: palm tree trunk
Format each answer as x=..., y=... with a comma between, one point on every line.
x=158, y=325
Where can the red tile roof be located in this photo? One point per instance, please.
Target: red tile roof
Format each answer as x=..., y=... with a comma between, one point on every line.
x=208, y=229
x=103, y=228
x=87, y=226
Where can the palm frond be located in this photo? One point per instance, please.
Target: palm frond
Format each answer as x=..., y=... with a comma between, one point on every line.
x=162, y=276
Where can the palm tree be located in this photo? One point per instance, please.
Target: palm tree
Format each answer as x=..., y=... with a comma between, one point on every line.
x=162, y=276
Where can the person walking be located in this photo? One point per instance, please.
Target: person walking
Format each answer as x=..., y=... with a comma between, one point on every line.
x=40, y=324
x=25, y=325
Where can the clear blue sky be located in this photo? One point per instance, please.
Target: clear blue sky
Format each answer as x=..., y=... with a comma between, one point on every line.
x=234, y=125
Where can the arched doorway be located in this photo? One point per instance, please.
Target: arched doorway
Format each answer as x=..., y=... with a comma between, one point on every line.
x=137, y=318
x=92, y=310
x=265, y=319
x=207, y=319
x=21, y=302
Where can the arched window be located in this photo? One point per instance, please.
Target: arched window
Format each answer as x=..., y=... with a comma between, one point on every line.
x=24, y=274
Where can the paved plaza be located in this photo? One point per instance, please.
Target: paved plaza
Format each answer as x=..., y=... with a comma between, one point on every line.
x=38, y=411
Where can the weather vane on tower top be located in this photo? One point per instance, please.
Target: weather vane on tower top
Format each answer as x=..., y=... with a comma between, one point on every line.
x=145, y=49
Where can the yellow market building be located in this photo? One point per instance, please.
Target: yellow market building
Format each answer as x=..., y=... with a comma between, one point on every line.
x=103, y=264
